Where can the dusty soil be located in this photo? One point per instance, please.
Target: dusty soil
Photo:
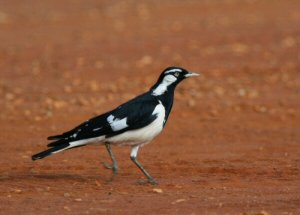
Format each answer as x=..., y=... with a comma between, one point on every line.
x=231, y=145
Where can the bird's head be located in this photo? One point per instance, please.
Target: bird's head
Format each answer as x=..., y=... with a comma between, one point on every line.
x=169, y=78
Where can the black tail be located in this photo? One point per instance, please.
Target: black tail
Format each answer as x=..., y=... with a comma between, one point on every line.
x=55, y=137
x=57, y=143
x=49, y=151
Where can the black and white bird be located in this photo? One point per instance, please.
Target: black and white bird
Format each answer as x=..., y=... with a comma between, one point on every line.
x=134, y=123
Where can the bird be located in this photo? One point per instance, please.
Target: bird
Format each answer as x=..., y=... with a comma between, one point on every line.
x=134, y=123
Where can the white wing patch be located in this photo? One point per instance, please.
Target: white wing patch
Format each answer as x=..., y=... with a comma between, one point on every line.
x=110, y=119
x=117, y=124
x=145, y=134
x=96, y=129
x=133, y=137
x=75, y=134
x=162, y=87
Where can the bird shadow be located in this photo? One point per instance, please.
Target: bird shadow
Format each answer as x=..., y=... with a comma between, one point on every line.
x=68, y=177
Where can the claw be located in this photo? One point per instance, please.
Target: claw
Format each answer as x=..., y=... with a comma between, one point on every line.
x=107, y=166
x=152, y=181
x=112, y=167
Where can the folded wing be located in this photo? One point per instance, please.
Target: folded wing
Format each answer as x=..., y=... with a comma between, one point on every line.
x=132, y=115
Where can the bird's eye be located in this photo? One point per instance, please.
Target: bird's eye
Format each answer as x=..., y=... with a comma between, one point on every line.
x=176, y=74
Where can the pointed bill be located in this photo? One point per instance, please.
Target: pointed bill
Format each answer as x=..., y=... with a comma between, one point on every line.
x=190, y=74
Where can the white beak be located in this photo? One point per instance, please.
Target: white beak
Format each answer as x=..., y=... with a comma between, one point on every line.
x=190, y=74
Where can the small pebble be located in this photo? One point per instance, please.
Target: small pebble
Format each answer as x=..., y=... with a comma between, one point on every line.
x=157, y=190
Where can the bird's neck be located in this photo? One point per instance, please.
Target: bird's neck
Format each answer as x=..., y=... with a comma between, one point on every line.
x=165, y=94
x=162, y=88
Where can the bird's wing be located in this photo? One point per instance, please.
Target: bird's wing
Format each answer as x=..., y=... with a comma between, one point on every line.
x=132, y=115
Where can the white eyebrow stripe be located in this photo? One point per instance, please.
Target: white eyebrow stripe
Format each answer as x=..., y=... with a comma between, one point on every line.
x=173, y=70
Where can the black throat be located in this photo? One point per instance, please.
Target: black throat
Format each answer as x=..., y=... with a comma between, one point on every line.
x=167, y=99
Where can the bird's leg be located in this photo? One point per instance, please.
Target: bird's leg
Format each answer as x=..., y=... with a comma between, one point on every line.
x=114, y=166
x=133, y=156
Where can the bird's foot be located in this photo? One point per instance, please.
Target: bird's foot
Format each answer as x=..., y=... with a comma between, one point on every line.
x=107, y=166
x=114, y=168
x=151, y=181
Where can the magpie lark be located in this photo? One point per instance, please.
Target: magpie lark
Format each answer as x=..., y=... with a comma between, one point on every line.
x=134, y=123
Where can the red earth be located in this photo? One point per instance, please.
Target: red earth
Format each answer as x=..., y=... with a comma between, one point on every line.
x=231, y=145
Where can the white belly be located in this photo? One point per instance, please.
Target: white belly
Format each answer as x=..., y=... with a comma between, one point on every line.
x=142, y=135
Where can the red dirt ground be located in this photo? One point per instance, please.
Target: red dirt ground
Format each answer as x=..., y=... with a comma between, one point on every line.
x=231, y=145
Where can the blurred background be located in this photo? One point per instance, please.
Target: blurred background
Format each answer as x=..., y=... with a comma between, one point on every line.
x=51, y=49
x=62, y=62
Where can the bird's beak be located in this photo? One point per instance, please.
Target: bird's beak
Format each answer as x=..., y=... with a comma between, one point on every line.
x=190, y=74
